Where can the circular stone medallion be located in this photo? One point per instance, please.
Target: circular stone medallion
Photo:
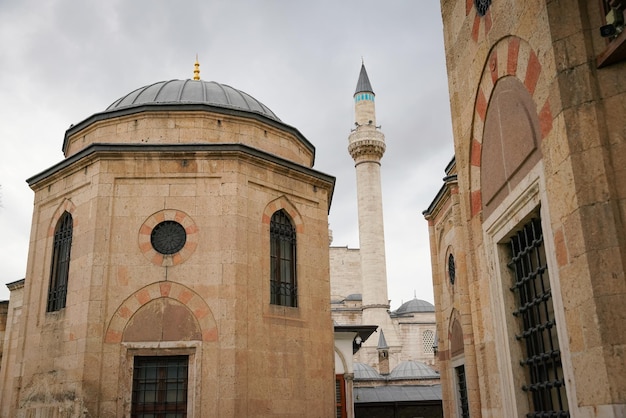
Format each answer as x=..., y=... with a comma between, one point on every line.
x=168, y=237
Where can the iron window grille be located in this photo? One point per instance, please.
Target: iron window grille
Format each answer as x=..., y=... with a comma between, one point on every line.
x=482, y=6
x=545, y=384
x=462, y=387
x=60, y=266
x=160, y=387
x=168, y=237
x=283, y=288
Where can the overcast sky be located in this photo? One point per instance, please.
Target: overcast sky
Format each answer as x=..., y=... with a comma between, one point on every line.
x=63, y=60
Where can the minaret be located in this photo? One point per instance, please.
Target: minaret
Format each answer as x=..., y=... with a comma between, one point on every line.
x=367, y=146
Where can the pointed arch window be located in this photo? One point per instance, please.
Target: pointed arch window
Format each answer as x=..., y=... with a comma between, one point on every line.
x=283, y=285
x=60, y=265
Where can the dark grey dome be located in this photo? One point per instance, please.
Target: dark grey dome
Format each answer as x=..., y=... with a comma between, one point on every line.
x=192, y=92
x=412, y=369
x=414, y=306
x=363, y=371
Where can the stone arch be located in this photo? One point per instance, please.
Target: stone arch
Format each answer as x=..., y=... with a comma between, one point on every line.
x=455, y=335
x=179, y=294
x=284, y=204
x=344, y=363
x=66, y=206
x=162, y=319
x=511, y=56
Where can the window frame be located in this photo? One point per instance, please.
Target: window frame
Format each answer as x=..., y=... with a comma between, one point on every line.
x=192, y=349
x=615, y=50
x=340, y=396
x=526, y=199
x=60, y=263
x=460, y=389
x=536, y=329
x=140, y=386
x=283, y=260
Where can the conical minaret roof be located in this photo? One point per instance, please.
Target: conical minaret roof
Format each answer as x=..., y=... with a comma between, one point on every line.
x=382, y=342
x=363, y=85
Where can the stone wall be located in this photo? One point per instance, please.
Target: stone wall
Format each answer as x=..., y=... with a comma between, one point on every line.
x=571, y=181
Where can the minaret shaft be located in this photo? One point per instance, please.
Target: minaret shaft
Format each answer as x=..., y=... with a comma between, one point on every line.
x=371, y=235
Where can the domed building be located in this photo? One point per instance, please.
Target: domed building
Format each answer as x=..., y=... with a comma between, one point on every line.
x=178, y=265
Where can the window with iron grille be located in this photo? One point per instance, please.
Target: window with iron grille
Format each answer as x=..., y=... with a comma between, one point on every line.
x=283, y=288
x=160, y=387
x=462, y=388
x=545, y=384
x=428, y=340
x=60, y=266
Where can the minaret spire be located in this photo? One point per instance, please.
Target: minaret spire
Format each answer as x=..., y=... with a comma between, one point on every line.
x=363, y=85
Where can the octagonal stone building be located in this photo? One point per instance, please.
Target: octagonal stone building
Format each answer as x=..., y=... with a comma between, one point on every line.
x=178, y=264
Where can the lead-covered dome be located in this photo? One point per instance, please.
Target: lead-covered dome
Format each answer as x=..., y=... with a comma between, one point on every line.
x=192, y=92
x=412, y=369
x=185, y=112
x=415, y=306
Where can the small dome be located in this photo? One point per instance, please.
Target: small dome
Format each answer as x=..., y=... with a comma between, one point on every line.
x=412, y=369
x=415, y=305
x=354, y=296
x=363, y=371
x=192, y=92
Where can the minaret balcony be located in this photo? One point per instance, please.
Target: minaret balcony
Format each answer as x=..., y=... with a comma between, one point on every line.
x=366, y=145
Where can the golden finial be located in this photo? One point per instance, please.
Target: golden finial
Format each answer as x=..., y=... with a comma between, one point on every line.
x=196, y=69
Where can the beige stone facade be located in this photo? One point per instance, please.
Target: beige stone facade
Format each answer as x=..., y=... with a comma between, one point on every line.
x=221, y=174
x=538, y=100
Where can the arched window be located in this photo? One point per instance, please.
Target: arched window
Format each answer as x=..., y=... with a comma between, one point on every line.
x=60, y=265
x=283, y=288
